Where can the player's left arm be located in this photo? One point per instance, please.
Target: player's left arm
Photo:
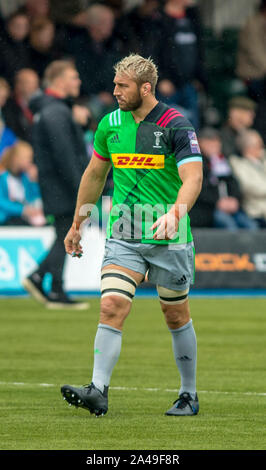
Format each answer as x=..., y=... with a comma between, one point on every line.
x=191, y=176
x=189, y=163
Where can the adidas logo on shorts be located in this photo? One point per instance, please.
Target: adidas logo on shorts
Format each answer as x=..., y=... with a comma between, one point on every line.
x=182, y=280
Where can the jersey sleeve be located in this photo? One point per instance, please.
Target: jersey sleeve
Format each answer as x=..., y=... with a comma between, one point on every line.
x=100, y=141
x=185, y=144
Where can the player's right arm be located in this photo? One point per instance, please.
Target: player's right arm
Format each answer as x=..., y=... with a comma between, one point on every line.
x=90, y=189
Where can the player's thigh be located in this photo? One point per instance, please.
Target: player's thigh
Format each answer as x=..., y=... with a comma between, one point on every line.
x=137, y=277
x=123, y=268
x=171, y=266
x=125, y=256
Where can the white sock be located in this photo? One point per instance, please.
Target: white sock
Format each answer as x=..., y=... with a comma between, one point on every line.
x=107, y=347
x=185, y=353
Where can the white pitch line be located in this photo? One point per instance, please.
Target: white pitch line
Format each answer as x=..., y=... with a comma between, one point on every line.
x=129, y=389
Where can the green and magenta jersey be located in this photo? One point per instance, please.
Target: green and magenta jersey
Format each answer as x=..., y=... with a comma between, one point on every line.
x=145, y=158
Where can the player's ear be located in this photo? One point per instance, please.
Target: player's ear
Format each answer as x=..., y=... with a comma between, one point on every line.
x=146, y=88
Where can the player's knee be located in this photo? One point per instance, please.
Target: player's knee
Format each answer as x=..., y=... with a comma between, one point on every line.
x=175, y=318
x=112, y=304
x=114, y=310
x=175, y=306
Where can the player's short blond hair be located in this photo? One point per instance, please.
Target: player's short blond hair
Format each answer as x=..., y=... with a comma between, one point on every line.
x=140, y=69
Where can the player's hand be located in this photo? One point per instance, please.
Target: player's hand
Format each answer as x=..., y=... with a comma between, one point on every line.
x=167, y=226
x=72, y=242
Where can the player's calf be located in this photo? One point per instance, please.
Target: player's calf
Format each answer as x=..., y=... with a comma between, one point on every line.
x=175, y=307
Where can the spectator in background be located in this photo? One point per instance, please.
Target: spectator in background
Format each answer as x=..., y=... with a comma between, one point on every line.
x=68, y=11
x=37, y=9
x=43, y=47
x=219, y=204
x=140, y=30
x=82, y=114
x=181, y=63
x=241, y=116
x=2, y=24
x=259, y=123
x=95, y=51
x=117, y=6
x=7, y=136
x=20, y=200
x=61, y=158
x=251, y=58
x=4, y=93
x=250, y=171
x=71, y=20
x=14, y=48
x=16, y=112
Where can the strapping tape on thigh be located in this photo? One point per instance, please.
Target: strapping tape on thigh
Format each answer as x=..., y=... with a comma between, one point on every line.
x=115, y=282
x=172, y=297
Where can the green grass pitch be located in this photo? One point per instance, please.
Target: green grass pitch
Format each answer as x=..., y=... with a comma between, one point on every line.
x=42, y=349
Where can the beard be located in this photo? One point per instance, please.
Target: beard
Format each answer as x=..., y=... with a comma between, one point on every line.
x=132, y=104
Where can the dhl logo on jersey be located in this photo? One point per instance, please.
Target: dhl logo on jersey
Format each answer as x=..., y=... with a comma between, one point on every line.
x=137, y=160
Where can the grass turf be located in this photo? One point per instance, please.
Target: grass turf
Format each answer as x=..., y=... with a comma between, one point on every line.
x=41, y=350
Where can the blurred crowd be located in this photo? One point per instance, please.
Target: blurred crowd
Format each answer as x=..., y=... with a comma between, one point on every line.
x=94, y=35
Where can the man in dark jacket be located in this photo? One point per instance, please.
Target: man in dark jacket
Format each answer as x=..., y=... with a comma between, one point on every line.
x=61, y=158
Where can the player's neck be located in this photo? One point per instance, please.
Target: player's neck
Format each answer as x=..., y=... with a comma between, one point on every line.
x=146, y=107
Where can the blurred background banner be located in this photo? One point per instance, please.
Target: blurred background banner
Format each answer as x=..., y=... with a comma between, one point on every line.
x=230, y=260
x=21, y=249
x=224, y=259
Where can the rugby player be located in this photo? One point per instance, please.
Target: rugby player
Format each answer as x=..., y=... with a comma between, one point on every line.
x=157, y=164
